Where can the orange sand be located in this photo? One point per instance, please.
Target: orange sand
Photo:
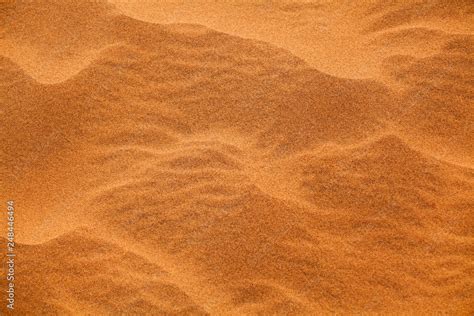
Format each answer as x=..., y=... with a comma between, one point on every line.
x=238, y=157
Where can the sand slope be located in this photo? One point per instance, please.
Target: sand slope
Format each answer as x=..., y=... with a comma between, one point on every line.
x=175, y=169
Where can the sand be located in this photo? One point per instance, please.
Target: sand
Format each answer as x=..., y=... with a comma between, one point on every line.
x=238, y=157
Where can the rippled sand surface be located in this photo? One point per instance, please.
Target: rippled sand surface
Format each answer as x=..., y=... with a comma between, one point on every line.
x=238, y=157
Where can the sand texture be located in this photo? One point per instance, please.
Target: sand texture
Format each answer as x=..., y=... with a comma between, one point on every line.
x=238, y=157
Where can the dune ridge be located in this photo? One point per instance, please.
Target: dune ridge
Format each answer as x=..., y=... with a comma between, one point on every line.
x=175, y=169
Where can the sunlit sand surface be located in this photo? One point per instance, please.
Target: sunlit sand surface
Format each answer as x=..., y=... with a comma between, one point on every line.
x=239, y=157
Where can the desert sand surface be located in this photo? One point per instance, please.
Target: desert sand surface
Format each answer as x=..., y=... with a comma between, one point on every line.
x=238, y=157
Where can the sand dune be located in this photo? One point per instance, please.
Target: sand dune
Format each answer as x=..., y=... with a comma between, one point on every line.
x=185, y=158
x=331, y=36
